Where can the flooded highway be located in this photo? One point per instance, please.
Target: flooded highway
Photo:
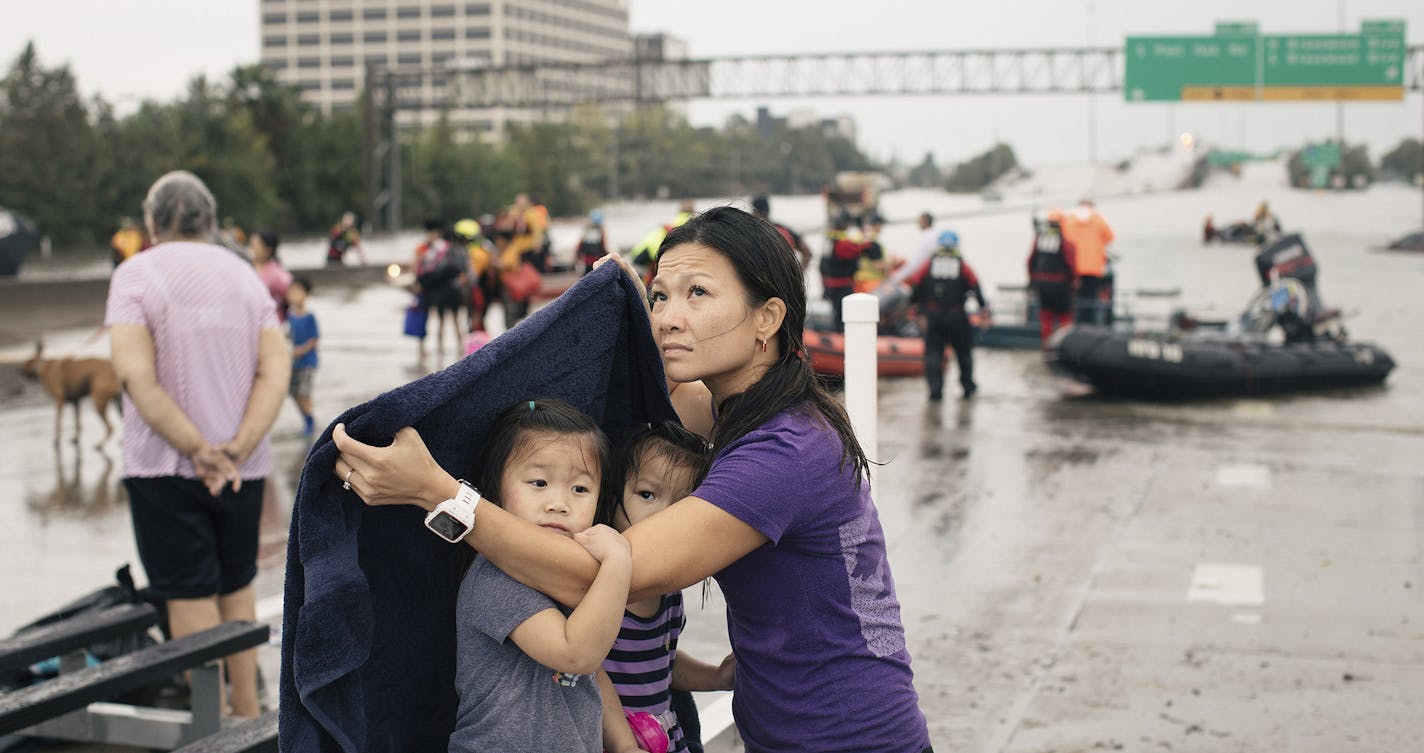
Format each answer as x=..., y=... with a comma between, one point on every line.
x=1075, y=574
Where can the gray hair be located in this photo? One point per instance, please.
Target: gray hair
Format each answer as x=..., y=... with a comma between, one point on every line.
x=179, y=205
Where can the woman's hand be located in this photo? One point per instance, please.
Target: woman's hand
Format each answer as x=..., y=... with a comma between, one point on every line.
x=216, y=469
x=403, y=473
x=614, y=257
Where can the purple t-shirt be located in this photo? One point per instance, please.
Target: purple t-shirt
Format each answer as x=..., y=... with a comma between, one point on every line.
x=812, y=615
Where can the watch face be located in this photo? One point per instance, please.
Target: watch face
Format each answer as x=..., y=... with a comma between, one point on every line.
x=447, y=526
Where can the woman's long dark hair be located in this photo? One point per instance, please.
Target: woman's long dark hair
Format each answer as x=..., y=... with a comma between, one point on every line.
x=768, y=268
x=547, y=416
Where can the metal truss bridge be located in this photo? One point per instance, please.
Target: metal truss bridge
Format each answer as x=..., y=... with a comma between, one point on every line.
x=549, y=86
x=1086, y=70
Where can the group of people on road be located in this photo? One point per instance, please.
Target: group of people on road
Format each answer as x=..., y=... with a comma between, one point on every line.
x=1068, y=268
x=803, y=567
x=461, y=269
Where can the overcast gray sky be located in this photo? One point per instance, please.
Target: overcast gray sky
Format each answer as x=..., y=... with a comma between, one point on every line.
x=127, y=50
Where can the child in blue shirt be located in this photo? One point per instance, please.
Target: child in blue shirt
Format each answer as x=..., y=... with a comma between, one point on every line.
x=301, y=325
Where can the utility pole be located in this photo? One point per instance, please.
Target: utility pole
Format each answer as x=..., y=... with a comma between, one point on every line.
x=374, y=143
x=1340, y=106
x=393, y=165
x=1093, y=103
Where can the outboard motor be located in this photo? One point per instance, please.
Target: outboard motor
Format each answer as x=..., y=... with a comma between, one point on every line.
x=1288, y=258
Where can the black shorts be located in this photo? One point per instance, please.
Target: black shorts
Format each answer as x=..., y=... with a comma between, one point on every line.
x=446, y=299
x=193, y=544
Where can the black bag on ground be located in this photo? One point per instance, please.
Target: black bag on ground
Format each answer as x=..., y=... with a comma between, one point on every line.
x=122, y=592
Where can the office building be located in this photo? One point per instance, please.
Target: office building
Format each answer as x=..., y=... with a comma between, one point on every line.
x=324, y=46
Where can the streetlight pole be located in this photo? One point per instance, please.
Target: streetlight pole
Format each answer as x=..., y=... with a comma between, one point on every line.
x=1340, y=105
x=1092, y=103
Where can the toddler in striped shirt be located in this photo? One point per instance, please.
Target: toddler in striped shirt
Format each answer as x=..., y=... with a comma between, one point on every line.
x=661, y=463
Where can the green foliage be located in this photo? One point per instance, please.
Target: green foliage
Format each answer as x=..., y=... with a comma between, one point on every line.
x=1405, y=161
x=451, y=178
x=47, y=148
x=978, y=172
x=273, y=161
x=926, y=175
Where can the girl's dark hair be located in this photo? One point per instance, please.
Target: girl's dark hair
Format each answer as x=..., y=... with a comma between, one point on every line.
x=666, y=440
x=270, y=240
x=547, y=415
x=768, y=268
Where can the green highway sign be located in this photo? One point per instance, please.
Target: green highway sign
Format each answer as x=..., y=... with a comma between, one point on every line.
x=1321, y=155
x=1237, y=28
x=1238, y=63
x=1382, y=27
x=1334, y=60
x=1159, y=67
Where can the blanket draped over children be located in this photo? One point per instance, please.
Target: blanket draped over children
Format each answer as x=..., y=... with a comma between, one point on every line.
x=368, y=648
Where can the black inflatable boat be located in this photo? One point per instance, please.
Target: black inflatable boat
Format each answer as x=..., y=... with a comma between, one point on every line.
x=1161, y=366
x=1286, y=340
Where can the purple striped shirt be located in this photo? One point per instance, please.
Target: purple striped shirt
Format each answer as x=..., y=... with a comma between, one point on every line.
x=640, y=664
x=205, y=309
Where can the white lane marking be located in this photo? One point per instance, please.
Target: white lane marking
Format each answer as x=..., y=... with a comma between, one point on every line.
x=1244, y=476
x=1238, y=585
x=1246, y=618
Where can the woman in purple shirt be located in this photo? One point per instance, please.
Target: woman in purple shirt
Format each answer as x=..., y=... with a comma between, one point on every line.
x=783, y=519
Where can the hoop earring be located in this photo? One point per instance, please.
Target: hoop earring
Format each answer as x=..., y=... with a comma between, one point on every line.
x=763, y=345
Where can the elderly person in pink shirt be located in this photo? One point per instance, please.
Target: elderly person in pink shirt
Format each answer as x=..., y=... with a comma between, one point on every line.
x=204, y=367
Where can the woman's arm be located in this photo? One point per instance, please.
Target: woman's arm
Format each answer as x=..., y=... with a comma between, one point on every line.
x=135, y=363
x=269, y=389
x=691, y=540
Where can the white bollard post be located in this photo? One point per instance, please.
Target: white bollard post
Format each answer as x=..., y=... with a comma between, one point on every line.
x=861, y=314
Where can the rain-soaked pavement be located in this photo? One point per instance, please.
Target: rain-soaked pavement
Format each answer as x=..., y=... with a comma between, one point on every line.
x=1075, y=574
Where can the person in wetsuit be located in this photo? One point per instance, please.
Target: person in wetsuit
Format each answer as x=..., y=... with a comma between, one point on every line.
x=1052, y=274
x=941, y=286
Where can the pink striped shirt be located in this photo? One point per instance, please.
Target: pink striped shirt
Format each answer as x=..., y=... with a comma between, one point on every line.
x=205, y=309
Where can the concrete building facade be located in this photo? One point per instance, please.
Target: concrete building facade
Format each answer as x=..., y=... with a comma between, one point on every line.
x=325, y=46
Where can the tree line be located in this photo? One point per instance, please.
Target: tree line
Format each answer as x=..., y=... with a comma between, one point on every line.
x=76, y=167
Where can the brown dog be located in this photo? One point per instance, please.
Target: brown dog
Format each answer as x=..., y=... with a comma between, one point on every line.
x=69, y=380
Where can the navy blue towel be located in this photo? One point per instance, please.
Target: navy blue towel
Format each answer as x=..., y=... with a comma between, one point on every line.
x=368, y=644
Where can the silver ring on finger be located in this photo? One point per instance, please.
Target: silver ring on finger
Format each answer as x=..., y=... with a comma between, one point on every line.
x=346, y=484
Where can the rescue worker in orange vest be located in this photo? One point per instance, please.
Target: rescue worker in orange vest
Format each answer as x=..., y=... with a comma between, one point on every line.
x=941, y=286
x=1090, y=235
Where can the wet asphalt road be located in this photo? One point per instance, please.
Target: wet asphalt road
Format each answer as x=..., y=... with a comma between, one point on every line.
x=1076, y=575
